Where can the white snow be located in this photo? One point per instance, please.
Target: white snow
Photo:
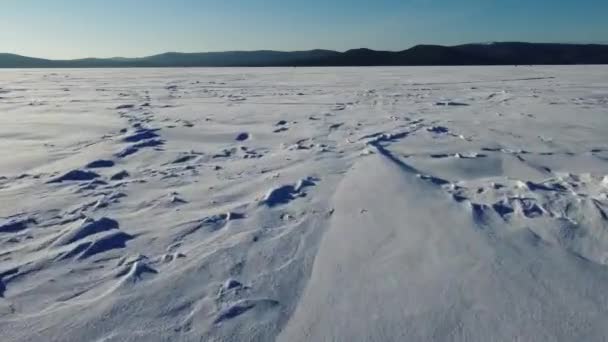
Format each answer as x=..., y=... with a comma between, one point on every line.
x=304, y=204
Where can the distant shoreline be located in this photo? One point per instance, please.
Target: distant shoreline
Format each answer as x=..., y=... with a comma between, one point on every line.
x=507, y=53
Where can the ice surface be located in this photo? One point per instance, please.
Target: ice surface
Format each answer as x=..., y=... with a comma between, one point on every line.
x=304, y=204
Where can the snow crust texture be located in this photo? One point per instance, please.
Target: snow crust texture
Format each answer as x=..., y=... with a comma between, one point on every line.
x=304, y=204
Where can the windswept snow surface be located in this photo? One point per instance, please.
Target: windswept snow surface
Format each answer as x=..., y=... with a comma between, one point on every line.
x=304, y=204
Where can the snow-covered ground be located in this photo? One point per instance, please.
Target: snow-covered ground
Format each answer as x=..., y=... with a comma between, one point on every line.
x=304, y=204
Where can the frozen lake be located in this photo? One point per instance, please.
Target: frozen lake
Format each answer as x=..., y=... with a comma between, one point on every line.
x=304, y=204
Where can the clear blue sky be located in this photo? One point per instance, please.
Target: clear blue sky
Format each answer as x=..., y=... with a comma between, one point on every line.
x=83, y=28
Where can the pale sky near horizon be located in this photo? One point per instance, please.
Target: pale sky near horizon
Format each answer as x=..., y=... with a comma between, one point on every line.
x=129, y=28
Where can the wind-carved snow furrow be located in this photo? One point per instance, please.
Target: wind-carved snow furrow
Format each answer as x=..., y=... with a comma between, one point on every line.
x=568, y=210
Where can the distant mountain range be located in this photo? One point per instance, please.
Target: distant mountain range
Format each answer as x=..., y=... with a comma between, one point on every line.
x=468, y=54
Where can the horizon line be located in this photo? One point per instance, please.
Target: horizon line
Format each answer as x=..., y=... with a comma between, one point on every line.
x=303, y=50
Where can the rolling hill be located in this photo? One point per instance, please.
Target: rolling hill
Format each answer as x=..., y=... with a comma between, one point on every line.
x=508, y=53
